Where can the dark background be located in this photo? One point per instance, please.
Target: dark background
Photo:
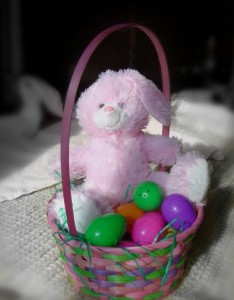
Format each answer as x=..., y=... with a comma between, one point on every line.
x=46, y=38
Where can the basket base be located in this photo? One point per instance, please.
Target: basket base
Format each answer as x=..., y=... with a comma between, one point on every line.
x=168, y=289
x=150, y=272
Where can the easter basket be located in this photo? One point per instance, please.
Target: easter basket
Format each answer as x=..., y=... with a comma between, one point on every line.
x=139, y=272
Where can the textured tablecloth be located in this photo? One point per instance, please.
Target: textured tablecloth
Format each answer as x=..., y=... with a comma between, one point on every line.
x=30, y=267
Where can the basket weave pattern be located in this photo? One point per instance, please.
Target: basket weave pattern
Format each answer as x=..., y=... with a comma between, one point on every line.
x=133, y=274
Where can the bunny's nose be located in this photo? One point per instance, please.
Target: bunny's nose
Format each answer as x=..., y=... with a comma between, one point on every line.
x=109, y=109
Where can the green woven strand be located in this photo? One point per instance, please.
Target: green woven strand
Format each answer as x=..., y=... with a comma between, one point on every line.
x=117, y=258
x=162, y=252
x=189, y=238
x=155, y=274
x=62, y=256
x=78, y=251
x=80, y=238
x=89, y=292
x=154, y=296
x=121, y=279
x=175, y=284
x=86, y=289
x=169, y=261
x=124, y=270
x=121, y=258
x=83, y=272
x=81, y=250
x=181, y=262
x=80, y=272
x=61, y=244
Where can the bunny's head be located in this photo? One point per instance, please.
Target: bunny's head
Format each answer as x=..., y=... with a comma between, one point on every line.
x=120, y=102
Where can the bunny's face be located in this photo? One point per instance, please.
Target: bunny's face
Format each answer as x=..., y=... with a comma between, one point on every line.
x=111, y=116
x=114, y=104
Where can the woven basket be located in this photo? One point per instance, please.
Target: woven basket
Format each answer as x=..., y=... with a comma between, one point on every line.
x=150, y=272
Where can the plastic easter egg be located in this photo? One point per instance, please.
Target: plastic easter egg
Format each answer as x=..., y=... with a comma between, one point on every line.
x=106, y=230
x=126, y=244
x=178, y=207
x=146, y=228
x=148, y=195
x=130, y=212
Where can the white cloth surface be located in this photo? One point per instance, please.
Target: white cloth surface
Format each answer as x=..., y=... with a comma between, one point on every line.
x=199, y=123
x=24, y=162
x=37, y=97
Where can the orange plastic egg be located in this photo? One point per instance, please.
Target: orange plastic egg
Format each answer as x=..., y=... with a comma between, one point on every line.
x=130, y=212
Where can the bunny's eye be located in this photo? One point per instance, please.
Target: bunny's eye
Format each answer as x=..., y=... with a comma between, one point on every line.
x=101, y=105
x=121, y=104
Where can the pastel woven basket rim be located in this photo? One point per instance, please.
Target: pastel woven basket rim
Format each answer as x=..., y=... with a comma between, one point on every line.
x=180, y=237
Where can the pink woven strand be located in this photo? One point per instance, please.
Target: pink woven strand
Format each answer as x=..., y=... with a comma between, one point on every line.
x=127, y=290
x=71, y=95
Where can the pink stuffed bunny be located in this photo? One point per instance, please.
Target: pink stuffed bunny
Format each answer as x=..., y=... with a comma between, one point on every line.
x=113, y=111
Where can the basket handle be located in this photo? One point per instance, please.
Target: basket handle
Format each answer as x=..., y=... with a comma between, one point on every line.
x=71, y=95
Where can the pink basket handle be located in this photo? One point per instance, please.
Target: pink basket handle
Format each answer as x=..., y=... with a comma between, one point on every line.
x=71, y=95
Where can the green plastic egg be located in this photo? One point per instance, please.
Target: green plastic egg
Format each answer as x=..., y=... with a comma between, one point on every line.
x=106, y=230
x=148, y=195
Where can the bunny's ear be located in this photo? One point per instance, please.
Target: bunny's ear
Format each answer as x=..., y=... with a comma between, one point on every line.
x=151, y=97
x=155, y=103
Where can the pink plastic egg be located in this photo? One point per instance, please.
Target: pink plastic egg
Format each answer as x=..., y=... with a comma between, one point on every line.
x=146, y=228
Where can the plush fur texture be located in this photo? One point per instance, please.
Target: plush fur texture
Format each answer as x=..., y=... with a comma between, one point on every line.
x=135, y=96
x=113, y=111
x=193, y=174
x=84, y=209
